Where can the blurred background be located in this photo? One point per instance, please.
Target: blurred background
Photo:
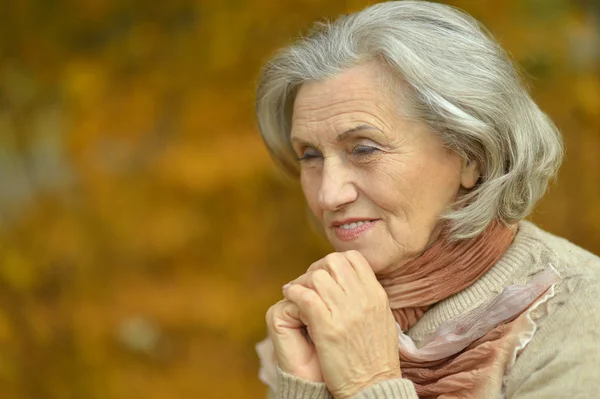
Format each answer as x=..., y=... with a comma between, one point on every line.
x=144, y=231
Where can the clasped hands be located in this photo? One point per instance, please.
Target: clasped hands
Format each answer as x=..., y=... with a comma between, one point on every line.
x=335, y=326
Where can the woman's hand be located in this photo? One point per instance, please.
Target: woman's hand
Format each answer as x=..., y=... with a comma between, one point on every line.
x=349, y=320
x=296, y=354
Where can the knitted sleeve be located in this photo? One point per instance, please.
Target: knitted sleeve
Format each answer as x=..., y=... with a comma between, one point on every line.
x=290, y=387
x=563, y=358
x=400, y=388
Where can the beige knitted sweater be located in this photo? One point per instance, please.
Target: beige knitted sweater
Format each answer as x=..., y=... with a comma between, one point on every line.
x=563, y=358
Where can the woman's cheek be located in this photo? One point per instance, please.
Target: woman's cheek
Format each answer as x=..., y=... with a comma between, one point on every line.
x=387, y=185
x=310, y=184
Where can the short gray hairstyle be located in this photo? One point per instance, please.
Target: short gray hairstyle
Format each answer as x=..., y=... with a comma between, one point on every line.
x=462, y=85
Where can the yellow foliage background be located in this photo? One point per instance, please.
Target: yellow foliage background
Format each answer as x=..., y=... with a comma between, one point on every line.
x=144, y=231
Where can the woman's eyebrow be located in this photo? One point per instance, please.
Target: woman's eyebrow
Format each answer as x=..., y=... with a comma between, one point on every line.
x=356, y=129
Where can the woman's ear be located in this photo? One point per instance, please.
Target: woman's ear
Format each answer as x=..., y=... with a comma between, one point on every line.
x=469, y=174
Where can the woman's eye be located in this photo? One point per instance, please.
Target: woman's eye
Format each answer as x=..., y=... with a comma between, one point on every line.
x=363, y=150
x=309, y=153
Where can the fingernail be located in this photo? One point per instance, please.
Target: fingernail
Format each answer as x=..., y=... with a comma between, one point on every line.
x=285, y=286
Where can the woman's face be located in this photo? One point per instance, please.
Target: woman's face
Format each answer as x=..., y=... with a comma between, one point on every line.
x=376, y=181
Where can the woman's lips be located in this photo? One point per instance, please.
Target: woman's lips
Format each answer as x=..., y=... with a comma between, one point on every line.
x=351, y=231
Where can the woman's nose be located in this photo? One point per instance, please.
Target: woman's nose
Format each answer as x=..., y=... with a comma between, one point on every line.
x=338, y=188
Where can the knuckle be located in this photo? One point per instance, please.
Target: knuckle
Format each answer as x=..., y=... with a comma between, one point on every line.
x=335, y=270
x=332, y=265
x=308, y=297
x=357, y=257
x=358, y=260
x=319, y=276
x=273, y=312
x=335, y=264
x=313, y=266
x=354, y=253
x=270, y=315
x=332, y=257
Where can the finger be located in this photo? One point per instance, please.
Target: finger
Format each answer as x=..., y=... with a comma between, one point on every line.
x=366, y=275
x=340, y=270
x=321, y=281
x=287, y=333
x=361, y=266
x=284, y=315
x=312, y=308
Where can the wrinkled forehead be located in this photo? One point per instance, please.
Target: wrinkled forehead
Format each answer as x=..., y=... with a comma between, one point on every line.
x=357, y=92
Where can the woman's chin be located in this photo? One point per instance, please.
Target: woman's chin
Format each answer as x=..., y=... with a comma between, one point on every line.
x=369, y=245
x=381, y=263
x=377, y=262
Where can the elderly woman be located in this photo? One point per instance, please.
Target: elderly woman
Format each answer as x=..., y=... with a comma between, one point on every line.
x=419, y=153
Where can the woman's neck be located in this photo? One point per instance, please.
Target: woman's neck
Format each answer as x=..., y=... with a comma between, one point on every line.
x=443, y=269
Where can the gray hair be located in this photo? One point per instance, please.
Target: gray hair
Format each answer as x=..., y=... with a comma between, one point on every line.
x=462, y=85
